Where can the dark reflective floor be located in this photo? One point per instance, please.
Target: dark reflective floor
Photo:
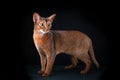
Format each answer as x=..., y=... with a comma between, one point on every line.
x=59, y=73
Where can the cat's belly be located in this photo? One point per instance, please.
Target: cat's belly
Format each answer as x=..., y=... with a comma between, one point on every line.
x=68, y=50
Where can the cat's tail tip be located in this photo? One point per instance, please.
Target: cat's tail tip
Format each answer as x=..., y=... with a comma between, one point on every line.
x=97, y=64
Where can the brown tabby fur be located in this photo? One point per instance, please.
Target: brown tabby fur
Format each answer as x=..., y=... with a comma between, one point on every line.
x=51, y=43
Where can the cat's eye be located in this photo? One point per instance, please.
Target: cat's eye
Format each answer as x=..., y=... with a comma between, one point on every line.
x=41, y=24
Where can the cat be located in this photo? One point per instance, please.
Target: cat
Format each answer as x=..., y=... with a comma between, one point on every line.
x=49, y=43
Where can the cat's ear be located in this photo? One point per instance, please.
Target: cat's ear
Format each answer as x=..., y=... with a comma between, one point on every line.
x=36, y=17
x=51, y=18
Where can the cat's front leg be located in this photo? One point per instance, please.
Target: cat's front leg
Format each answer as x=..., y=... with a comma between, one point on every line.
x=42, y=61
x=50, y=61
x=43, y=64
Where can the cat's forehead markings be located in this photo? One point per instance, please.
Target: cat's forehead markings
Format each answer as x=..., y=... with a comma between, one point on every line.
x=46, y=20
x=43, y=18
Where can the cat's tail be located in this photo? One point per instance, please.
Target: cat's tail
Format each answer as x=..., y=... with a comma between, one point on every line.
x=91, y=53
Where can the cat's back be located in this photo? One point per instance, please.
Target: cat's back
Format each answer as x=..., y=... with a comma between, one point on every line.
x=72, y=34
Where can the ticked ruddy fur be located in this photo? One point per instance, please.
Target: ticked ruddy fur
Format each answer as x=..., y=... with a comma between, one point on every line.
x=50, y=43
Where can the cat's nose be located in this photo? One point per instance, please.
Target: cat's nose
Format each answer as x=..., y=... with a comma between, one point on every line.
x=47, y=29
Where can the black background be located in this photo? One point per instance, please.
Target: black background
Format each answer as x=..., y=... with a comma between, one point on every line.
x=92, y=18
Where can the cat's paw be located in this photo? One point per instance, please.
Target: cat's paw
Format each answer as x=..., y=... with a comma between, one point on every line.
x=40, y=72
x=83, y=72
x=45, y=75
x=69, y=67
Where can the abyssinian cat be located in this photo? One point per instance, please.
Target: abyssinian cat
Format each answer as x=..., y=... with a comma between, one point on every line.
x=50, y=43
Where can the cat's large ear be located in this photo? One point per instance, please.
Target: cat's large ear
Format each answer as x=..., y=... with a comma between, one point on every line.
x=36, y=17
x=51, y=18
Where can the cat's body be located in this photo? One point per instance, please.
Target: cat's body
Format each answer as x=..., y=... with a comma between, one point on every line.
x=51, y=43
x=73, y=39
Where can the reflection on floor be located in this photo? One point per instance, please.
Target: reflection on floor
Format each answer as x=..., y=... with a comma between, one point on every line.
x=59, y=73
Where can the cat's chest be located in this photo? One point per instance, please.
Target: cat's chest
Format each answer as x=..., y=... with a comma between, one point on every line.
x=40, y=40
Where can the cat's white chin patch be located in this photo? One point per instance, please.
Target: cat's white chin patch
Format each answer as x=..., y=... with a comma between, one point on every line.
x=42, y=32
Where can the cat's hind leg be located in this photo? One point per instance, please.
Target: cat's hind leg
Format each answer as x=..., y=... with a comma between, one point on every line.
x=74, y=61
x=85, y=59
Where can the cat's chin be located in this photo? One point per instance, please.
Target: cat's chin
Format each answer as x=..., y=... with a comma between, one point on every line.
x=43, y=32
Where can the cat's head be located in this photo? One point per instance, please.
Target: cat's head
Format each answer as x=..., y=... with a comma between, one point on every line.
x=43, y=24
